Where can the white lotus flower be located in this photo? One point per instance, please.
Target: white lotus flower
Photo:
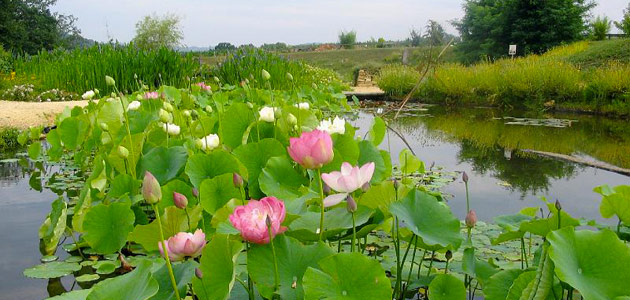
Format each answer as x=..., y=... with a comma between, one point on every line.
x=303, y=105
x=267, y=114
x=170, y=128
x=338, y=125
x=209, y=142
x=88, y=95
x=134, y=105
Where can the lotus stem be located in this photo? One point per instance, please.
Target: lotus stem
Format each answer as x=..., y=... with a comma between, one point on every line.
x=321, y=196
x=354, y=233
x=168, y=260
x=275, y=261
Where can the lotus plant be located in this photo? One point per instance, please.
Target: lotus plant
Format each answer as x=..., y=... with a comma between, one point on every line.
x=313, y=150
x=182, y=245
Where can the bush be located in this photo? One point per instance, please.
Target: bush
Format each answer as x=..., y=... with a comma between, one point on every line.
x=397, y=80
x=600, y=28
x=85, y=69
x=347, y=39
x=9, y=139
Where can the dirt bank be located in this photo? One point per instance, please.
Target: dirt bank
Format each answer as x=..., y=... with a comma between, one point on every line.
x=24, y=114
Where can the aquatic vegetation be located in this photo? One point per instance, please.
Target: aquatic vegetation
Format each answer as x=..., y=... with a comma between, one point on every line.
x=165, y=217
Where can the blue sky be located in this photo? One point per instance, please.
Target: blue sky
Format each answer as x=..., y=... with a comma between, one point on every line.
x=208, y=22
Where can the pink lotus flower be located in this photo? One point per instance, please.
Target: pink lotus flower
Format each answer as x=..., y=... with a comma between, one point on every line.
x=203, y=86
x=251, y=219
x=151, y=95
x=346, y=181
x=184, y=244
x=312, y=150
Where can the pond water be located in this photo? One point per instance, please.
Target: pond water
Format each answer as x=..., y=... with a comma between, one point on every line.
x=485, y=143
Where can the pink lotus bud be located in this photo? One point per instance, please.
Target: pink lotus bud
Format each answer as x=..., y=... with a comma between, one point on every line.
x=180, y=200
x=326, y=188
x=184, y=244
x=558, y=205
x=151, y=190
x=448, y=255
x=198, y=273
x=352, y=205
x=396, y=183
x=471, y=219
x=312, y=150
x=195, y=192
x=252, y=219
x=237, y=180
x=366, y=186
x=465, y=177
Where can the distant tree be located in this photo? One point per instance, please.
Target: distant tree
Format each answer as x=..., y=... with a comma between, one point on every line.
x=624, y=24
x=415, y=37
x=489, y=26
x=277, y=47
x=600, y=28
x=29, y=26
x=348, y=39
x=434, y=33
x=158, y=31
x=224, y=47
x=380, y=43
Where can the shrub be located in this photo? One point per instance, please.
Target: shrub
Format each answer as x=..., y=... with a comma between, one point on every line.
x=397, y=80
x=9, y=139
x=600, y=28
x=347, y=39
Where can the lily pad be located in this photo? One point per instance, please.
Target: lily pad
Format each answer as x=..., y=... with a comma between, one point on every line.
x=447, y=287
x=107, y=227
x=52, y=270
x=87, y=278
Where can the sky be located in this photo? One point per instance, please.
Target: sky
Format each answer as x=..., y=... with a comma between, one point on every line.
x=209, y=22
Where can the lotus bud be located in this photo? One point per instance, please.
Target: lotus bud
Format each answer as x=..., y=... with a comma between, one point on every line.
x=198, y=272
x=167, y=106
x=123, y=152
x=237, y=180
x=209, y=109
x=104, y=127
x=194, y=114
x=292, y=119
x=558, y=205
x=165, y=116
x=109, y=80
x=465, y=177
x=366, y=186
x=96, y=91
x=195, y=192
x=289, y=77
x=326, y=188
x=199, y=144
x=135, y=76
x=396, y=184
x=471, y=219
x=151, y=190
x=268, y=221
x=266, y=75
x=216, y=79
x=180, y=200
x=250, y=105
x=352, y=205
x=186, y=113
x=448, y=255
x=314, y=86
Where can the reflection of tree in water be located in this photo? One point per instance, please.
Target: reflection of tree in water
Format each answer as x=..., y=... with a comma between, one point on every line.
x=10, y=173
x=524, y=173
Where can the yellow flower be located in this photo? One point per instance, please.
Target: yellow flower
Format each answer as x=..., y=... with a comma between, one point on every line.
x=12, y=75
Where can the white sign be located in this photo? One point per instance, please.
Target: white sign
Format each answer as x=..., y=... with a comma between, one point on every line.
x=512, y=50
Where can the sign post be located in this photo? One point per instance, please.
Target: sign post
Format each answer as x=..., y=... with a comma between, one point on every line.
x=512, y=51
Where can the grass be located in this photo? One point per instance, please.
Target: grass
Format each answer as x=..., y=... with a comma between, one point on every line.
x=9, y=139
x=85, y=69
x=552, y=80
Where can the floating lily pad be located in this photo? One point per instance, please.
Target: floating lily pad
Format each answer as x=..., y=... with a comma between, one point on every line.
x=52, y=270
x=87, y=278
x=49, y=258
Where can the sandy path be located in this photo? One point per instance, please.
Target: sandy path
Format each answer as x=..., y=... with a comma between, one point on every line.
x=24, y=114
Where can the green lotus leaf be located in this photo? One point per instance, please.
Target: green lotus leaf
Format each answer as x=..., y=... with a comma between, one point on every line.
x=234, y=123
x=446, y=287
x=136, y=142
x=183, y=273
x=87, y=278
x=52, y=270
x=215, y=192
x=281, y=180
x=106, y=267
x=336, y=220
x=72, y=295
x=594, y=263
x=107, y=226
x=498, y=285
x=34, y=150
x=615, y=202
x=432, y=221
x=520, y=284
x=136, y=285
x=369, y=153
x=543, y=226
x=164, y=163
x=254, y=157
x=377, y=131
x=218, y=265
x=176, y=186
x=379, y=196
x=203, y=166
x=54, y=226
x=174, y=220
x=346, y=149
x=347, y=276
x=409, y=163
x=73, y=131
x=123, y=184
x=295, y=259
